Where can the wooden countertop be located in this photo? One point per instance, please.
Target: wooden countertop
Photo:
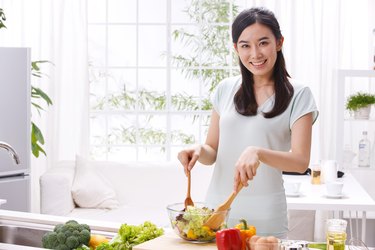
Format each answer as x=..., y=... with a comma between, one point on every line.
x=170, y=241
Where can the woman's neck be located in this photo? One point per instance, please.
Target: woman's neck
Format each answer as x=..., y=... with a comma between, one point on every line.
x=263, y=90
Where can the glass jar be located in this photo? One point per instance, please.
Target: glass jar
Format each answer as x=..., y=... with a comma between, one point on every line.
x=336, y=234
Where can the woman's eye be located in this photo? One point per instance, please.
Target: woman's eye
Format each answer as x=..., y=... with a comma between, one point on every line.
x=244, y=46
x=264, y=43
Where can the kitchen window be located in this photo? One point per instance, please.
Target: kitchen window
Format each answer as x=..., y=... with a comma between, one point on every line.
x=153, y=66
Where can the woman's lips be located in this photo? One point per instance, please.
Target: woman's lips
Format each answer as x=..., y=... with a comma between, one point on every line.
x=259, y=64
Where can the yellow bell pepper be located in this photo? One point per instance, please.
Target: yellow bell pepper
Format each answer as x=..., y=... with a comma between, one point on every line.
x=246, y=232
x=96, y=240
x=191, y=235
x=209, y=231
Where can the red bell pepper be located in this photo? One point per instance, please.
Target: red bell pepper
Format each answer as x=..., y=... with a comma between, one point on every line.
x=229, y=239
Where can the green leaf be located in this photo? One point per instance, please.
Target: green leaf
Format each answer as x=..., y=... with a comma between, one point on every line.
x=38, y=93
x=36, y=138
x=37, y=135
x=2, y=18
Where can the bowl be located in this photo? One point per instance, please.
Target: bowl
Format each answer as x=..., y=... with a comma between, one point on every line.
x=189, y=223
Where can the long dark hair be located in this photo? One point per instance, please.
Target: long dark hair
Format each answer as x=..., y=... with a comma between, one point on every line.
x=244, y=99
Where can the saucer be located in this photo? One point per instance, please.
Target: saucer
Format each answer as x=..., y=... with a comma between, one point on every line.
x=334, y=196
x=293, y=194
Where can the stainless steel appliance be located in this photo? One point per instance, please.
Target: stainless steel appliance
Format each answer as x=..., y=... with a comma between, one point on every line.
x=15, y=128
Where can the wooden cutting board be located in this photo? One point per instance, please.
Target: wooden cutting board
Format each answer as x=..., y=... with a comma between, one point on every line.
x=170, y=241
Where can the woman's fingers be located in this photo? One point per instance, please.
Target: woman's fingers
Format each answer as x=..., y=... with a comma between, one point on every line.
x=245, y=173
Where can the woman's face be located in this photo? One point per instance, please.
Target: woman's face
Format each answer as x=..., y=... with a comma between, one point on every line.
x=257, y=48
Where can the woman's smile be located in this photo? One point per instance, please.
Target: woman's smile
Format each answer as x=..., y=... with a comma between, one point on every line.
x=258, y=64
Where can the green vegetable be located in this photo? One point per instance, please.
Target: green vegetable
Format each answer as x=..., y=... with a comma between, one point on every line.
x=190, y=225
x=322, y=246
x=129, y=236
x=70, y=235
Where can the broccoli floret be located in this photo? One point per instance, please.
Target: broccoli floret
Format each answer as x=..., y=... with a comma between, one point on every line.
x=62, y=247
x=49, y=240
x=84, y=236
x=72, y=242
x=70, y=235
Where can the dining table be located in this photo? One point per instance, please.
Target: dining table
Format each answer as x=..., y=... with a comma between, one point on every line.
x=354, y=198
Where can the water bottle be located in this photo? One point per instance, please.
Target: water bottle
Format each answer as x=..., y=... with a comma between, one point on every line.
x=364, y=151
x=373, y=153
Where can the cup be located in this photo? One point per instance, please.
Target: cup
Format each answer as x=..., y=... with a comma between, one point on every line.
x=329, y=171
x=292, y=187
x=334, y=188
x=336, y=234
x=315, y=173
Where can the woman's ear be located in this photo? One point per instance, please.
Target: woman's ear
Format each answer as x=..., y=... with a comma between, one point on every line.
x=235, y=47
x=279, y=44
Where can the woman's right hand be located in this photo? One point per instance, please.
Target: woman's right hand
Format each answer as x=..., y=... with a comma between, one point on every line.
x=188, y=157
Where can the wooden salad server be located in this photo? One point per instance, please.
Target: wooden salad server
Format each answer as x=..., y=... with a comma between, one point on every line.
x=218, y=217
x=188, y=200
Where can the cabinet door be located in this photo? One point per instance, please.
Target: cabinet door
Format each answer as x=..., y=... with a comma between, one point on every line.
x=15, y=108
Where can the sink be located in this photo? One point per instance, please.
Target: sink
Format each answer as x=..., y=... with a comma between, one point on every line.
x=19, y=235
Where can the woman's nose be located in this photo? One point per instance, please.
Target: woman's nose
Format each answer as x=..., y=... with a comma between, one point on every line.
x=255, y=52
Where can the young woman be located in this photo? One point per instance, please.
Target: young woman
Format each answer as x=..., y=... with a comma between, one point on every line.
x=261, y=125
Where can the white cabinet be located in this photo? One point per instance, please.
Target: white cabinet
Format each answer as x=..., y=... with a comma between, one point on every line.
x=349, y=130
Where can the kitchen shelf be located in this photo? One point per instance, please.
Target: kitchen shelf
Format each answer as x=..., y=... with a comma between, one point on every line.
x=343, y=119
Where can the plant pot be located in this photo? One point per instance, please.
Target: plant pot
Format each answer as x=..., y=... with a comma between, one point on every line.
x=362, y=113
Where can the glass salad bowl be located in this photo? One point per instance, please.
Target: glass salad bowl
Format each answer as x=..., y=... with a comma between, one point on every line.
x=189, y=223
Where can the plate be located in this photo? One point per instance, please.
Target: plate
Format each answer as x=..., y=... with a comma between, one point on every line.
x=293, y=194
x=334, y=196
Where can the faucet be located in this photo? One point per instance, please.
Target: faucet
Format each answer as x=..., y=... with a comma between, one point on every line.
x=11, y=151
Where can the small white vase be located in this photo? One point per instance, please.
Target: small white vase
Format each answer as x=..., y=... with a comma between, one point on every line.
x=362, y=113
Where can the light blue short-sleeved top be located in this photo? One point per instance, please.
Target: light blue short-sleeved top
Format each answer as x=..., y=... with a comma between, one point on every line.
x=263, y=202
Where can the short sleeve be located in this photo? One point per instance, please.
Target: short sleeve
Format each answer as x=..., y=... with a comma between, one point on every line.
x=303, y=103
x=215, y=99
x=222, y=97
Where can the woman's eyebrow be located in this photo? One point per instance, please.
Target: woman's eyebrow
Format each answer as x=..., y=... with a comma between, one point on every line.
x=260, y=39
x=264, y=38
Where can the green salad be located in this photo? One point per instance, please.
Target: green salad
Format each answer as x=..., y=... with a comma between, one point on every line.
x=190, y=224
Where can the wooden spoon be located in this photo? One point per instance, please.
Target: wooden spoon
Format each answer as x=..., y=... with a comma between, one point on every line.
x=218, y=217
x=188, y=200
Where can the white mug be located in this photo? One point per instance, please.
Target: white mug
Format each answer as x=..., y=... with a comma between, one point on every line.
x=334, y=188
x=292, y=187
x=329, y=171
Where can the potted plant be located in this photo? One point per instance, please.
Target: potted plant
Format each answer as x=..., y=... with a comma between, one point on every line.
x=360, y=104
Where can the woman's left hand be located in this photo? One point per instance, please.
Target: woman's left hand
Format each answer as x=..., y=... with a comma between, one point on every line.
x=246, y=167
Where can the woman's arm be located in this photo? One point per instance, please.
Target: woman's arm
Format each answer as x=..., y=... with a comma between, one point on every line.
x=296, y=160
x=205, y=153
x=209, y=149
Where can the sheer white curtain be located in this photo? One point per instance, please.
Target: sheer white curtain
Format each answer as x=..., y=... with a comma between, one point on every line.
x=56, y=31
